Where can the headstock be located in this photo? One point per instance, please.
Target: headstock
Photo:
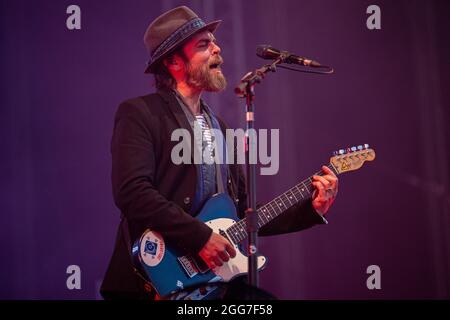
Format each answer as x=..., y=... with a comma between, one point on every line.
x=351, y=159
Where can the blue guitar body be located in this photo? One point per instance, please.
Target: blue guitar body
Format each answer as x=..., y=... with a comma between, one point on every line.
x=170, y=272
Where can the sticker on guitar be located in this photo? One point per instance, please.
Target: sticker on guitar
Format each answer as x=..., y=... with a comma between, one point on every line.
x=152, y=249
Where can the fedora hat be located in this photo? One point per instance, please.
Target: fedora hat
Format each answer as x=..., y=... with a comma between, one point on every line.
x=171, y=29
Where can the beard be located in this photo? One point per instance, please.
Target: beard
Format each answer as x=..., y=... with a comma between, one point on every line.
x=205, y=78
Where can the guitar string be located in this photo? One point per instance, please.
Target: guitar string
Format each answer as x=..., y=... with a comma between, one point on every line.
x=237, y=231
x=294, y=190
x=238, y=227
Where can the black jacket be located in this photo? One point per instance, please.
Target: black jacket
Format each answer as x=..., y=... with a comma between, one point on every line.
x=152, y=192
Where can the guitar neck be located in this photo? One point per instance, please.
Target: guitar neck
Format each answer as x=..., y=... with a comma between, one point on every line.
x=298, y=194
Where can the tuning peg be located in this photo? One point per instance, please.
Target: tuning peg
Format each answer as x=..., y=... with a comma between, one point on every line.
x=353, y=149
x=360, y=147
x=366, y=146
x=342, y=151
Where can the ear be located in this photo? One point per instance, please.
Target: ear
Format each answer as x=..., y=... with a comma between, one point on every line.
x=172, y=62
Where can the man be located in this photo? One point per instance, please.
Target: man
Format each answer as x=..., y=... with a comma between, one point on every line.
x=152, y=191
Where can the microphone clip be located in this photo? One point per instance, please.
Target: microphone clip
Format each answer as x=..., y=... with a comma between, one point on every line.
x=247, y=83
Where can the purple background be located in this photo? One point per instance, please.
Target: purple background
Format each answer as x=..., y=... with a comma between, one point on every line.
x=60, y=89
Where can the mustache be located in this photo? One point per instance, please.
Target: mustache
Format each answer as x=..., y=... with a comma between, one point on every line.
x=217, y=61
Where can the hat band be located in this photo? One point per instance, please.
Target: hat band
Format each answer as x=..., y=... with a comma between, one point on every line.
x=176, y=36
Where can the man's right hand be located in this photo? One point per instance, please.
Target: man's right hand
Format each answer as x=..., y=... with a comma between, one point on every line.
x=217, y=250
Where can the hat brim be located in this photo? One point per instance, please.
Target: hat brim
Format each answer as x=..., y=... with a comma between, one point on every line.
x=212, y=26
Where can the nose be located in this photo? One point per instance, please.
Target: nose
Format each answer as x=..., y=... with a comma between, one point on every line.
x=215, y=48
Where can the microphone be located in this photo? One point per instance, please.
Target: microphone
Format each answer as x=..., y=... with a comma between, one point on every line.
x=267, y=52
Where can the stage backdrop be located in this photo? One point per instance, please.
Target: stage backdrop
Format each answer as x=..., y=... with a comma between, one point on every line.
x=60, y=89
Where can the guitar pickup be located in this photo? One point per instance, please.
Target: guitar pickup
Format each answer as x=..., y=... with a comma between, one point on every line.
x=201, y=265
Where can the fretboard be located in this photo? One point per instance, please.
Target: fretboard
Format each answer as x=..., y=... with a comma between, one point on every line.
x=298, y=194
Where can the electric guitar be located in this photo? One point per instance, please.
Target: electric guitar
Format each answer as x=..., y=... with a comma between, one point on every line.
x=169, y=272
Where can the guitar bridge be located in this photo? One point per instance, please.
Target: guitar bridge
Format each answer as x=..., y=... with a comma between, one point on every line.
x=201, y=264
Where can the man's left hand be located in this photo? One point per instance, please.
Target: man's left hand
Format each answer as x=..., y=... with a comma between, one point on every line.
x=326, y=188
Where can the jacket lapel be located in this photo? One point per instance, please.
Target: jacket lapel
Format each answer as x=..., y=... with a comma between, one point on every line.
x=183, y=122
x=176, y=110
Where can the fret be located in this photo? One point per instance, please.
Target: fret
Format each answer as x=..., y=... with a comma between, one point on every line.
x=273, y=208
x=286, y=202
x=242, y=229
x=277, y=202
x=289, y=204
x=300, y=191
x=294, y=195
x=332, y=168
x=230, y=234
x=239, y=235
x=266, y=217
x=305, y=187
x=262, y=223
x=283, y=203
x=266, y=213
x=236, y=237
x=268, y=210
x=274, y=200
x=311, y=187
x=274, y=211
x=258, y=221
x=289, y=197
x=263, y=216
x=237, y=230
x=300, y=194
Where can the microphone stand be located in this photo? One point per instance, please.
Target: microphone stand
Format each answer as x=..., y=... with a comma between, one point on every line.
x=245, y=89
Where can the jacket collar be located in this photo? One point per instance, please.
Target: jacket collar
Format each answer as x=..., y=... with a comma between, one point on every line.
x=169, y=97
x=174, y=107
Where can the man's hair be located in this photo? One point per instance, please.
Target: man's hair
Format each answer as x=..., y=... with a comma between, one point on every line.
x=163, y=78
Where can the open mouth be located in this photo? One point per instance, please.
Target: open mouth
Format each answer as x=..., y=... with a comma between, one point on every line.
x=215, y=66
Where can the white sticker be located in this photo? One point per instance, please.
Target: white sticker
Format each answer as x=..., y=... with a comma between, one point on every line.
x=152, y=248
